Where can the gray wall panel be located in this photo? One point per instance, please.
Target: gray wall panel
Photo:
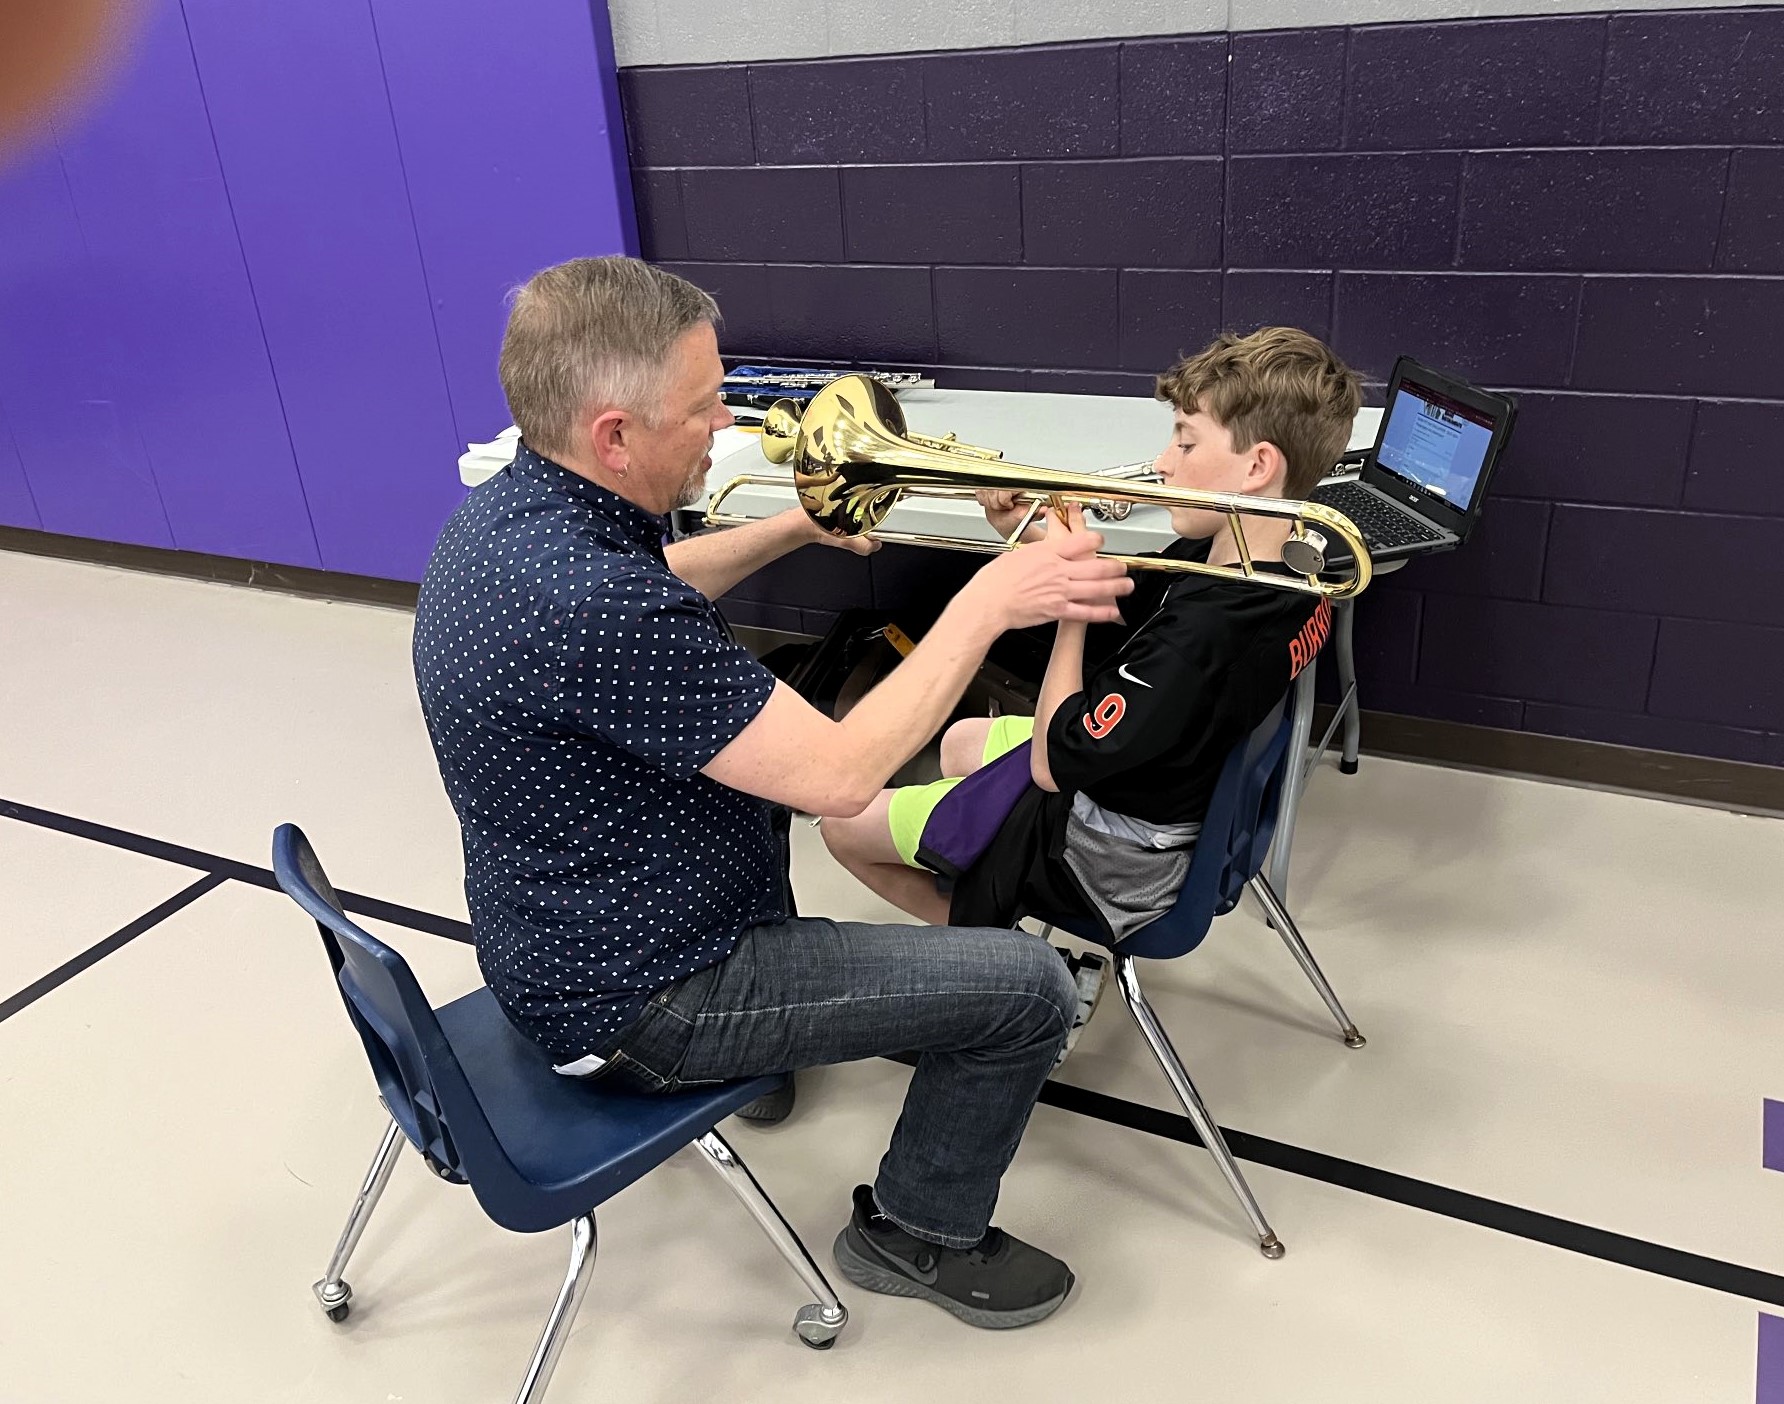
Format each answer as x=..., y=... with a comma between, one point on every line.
x=695, y=31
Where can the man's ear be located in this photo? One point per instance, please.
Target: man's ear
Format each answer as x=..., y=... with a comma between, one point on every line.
x=609, y=440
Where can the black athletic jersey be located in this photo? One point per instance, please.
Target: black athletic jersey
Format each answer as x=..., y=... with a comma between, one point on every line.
x=1205, y=662
x=1203, y=666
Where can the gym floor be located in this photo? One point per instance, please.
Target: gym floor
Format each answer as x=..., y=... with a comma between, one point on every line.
x=1544, y=1178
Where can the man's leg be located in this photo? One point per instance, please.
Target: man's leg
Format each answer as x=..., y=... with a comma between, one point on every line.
x=985, y=1011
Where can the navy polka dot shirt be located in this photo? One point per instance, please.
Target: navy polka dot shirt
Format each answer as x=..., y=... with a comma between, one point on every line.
x=573, y=686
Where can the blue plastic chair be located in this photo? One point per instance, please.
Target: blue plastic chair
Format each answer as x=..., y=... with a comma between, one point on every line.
x=483, y=1107
x=1228, y=858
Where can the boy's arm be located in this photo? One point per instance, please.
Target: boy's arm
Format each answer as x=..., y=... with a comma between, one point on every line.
x=1064, y=680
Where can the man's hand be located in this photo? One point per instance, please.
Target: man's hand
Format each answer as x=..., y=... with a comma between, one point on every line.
x=860, y=545
x=1058, y=578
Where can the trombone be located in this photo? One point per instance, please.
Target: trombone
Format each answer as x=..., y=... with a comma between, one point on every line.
x=853, y=460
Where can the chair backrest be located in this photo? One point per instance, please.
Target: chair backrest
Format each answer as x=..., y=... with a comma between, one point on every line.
x=1234, y=840
x=418, y=1074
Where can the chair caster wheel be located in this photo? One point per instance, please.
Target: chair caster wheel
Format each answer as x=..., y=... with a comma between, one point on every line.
x=1347, y=767
x=819, y=1328
x=335, y=1299
x=1271, y=1247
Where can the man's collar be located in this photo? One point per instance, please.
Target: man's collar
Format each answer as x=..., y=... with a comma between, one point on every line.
x=644, y=527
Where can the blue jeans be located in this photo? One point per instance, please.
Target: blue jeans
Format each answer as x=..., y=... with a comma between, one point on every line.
x=986, y=1011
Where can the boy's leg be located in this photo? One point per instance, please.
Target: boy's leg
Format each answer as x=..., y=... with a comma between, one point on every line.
x=985, y=1010
x=879, y=845
x=963, y=745
x=864, y=845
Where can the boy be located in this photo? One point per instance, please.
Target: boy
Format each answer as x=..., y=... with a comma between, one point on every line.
x=1125, y=756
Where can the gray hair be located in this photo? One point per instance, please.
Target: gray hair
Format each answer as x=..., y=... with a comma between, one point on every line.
x=593, y=332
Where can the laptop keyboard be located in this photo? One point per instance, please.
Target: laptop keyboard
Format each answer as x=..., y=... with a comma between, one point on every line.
x=1382, y=524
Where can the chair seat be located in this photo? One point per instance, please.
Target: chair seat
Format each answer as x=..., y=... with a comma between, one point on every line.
x=575, y=1142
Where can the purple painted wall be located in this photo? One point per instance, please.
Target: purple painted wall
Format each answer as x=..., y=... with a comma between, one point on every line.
x=1586, y=209
x=250, y=303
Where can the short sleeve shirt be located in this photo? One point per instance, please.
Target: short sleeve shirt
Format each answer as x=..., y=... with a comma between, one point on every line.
x=573, y=687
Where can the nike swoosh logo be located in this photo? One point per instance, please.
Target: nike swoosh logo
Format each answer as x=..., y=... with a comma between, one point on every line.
x=1130, y=677
x=903, y=1265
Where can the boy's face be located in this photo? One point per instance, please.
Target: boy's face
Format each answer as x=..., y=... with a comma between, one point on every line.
x=1201, y=455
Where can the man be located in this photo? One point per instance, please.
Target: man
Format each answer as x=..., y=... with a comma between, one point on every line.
x=1124, y=757
x=616, y=762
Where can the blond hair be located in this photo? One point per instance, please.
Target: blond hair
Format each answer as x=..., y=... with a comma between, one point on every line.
x=1279, y=385
x=593, y=333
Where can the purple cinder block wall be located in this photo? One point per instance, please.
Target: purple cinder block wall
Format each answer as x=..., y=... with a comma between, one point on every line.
x=1585, y=209
x=251, y=299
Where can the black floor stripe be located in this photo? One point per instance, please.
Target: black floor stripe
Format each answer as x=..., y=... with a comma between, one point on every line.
x=1437, y=1199
x=227, y=867
x=1609, y=1247
x=65, y=972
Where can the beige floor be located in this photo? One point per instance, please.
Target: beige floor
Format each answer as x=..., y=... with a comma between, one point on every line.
x=1572, y=1000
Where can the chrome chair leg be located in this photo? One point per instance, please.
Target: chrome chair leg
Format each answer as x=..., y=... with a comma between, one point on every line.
x=1291, y=937
x=818, y=1323
x=1343, y=647
x=1129, y=981
x=331, y=1291
x=583, y=1243
x=1294, y=777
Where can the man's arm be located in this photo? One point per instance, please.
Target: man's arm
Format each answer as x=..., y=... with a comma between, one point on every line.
x=793, y=754
x=715, y=561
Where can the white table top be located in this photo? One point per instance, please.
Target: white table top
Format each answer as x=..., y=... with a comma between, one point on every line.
x=1078, y=433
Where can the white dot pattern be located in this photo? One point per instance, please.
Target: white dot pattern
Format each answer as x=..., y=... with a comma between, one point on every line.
x=573, y=686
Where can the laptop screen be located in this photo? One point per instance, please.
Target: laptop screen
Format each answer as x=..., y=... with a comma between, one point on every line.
x=1435, y=443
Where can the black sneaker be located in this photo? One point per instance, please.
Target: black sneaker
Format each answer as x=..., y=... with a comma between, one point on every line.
x=770, y=1108
x=998, y=1283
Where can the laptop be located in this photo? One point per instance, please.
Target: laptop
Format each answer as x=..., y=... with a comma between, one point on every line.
x=1422, y=486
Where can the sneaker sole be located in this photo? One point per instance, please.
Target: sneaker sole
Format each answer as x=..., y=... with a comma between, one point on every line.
x=871, y=1277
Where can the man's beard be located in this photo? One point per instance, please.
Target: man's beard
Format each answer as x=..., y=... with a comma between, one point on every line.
x=694, y=487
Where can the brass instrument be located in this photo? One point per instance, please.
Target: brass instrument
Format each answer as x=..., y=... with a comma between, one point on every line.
x=853, y=460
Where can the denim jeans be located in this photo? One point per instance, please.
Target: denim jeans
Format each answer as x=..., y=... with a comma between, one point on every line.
x=986, y=1010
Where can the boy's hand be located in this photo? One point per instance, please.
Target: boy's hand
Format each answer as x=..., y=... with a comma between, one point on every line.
x=1073, y=521
x=1004, y=510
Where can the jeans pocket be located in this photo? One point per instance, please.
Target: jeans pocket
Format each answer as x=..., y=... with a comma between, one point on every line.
x=651, y=1052
x=624, y=1073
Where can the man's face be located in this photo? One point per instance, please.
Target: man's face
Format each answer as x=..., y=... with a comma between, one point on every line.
x=1200, y=455
x=670, y=457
